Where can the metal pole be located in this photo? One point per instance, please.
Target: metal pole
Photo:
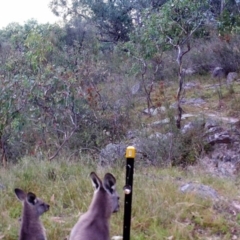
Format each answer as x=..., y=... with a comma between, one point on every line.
x=128, y=190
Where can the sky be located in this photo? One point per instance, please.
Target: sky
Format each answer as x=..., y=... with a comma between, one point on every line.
x=22, y=10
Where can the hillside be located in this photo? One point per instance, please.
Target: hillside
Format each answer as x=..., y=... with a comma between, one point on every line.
x=162, y=76
x=199, y=201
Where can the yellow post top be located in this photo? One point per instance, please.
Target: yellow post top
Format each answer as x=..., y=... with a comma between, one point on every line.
x=130, y=152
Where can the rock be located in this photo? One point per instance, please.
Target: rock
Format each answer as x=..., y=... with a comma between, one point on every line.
x=131, y=134
x=155, y=111
x=236, y=205
x=193, y=101
x=152, y=150
x=219, y=119
x=187, y=115
x=232, y=76
x=119, y=103
x=222, y=137
x=188, y=71
x=158, y=135
x=161, y=109
x=2, y=186
x=111, y=153
x=151, y=111
x=218, y=72
x=210, y=123
x=190, y=85
x=197, y=125
x=187, y=127
x=135, y=88
x=159, y=123
x=200, y=190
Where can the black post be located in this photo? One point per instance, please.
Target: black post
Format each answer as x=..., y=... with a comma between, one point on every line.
x=128, y=190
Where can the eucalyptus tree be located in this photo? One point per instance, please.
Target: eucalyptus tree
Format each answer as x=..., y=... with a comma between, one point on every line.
x=28, y=56
x=229, y=17
x=219, y=6
x=114, y=19
x=170, y=27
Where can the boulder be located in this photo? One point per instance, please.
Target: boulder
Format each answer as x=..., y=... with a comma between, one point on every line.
x=154, y=111
x=188, y=71
x=218, y=72
x=201, y=190
x=231, y=77
x=111, y=153
x=135, y=88
x=193, y=101
x=191, y=85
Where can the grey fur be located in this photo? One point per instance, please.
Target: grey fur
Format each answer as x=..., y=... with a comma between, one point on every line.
x=94, y=224
x=33, y=208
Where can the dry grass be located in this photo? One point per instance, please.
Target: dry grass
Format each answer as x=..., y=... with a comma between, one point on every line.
x=160, y=210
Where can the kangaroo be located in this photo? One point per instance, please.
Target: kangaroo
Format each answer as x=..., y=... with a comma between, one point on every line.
x=33, y=208
x=94, y=224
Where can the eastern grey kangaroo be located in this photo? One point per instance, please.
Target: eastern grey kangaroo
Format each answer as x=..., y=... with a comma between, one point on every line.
x=94, y=224
x=33, y=208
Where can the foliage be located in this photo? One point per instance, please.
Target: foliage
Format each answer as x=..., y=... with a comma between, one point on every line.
x=183, y=20
x=113, y=19
x=173, y=148
x=173, y=24
x=11, y=123
x=64, y=92
x=220, y=51
x=62, y=87
x=228, y=23
x=37, y=49
x=56, y=97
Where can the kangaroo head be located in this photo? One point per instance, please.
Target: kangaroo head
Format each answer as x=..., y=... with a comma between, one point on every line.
x=109, y=186
x=34, y=203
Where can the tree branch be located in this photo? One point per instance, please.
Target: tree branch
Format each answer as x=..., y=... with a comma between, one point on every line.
x=63, y=143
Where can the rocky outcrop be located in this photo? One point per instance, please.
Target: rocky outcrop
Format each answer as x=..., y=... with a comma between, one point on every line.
x=221, y=136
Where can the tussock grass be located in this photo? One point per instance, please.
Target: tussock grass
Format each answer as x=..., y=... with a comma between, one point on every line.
x=159, y=211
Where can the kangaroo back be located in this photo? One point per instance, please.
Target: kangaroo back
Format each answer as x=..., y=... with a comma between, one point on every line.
x=94, y=224
x=33, y=208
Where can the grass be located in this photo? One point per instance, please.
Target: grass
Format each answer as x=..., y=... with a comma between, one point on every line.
x=160, y=210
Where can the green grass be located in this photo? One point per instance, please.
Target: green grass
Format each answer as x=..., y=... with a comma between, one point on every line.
x=159, y=210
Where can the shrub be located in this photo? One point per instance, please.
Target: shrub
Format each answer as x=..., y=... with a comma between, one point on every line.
x=216, y=52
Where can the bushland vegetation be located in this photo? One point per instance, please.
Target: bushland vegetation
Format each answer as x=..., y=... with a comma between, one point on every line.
x=76, y=86
x=69, y=89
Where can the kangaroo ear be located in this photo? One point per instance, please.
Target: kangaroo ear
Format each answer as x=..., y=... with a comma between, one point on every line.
x=109, y=182
x=31, y=198
x=96, y=181
x=21, y=195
